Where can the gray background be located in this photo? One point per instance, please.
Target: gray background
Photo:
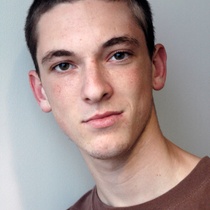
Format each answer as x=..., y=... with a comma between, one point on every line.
x=40, y=168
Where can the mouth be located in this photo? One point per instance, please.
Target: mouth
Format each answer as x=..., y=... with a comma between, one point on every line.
x=104, y=120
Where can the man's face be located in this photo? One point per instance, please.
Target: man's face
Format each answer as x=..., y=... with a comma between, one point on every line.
x=96, y=75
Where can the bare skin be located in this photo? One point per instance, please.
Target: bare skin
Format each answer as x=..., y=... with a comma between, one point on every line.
x=97, y=79
x=150, y=170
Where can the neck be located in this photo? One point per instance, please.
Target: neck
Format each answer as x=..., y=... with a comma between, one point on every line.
x=152, y=167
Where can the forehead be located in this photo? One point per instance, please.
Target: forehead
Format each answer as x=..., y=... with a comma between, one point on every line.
x=84, y=22
x=93, y=8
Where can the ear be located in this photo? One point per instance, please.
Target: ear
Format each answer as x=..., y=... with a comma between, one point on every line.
x=159, y=67
x=38, y=91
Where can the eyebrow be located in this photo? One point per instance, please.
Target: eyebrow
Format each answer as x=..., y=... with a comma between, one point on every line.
x=111, y=42
x=121, y=40
x=56, y=53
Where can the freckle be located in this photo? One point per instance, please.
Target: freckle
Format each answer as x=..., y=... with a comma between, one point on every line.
x=57, y=89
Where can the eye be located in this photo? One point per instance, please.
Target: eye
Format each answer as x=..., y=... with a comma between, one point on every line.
x=120, y=56
x=65, y=66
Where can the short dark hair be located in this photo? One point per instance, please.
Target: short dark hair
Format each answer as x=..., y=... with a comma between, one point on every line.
x=140, y=8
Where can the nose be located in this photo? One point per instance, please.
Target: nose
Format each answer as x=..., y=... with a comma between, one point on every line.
x=96, y=85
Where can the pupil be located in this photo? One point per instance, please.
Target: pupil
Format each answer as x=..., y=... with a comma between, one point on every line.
x=64, y=66
x=119, y=55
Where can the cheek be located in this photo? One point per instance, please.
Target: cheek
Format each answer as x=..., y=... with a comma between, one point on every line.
x=64, y=106
x=138, y=90
x=60, y=93
x=56, y=89
x=138, y=82
x=55, y=95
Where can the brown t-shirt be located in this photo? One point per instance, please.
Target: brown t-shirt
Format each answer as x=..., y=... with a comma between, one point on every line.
x=192, y=193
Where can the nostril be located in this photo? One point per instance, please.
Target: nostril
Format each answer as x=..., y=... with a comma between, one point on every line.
x=98, y=98
x=106, y=95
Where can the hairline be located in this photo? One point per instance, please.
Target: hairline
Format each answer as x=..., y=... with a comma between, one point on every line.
x=136, y=11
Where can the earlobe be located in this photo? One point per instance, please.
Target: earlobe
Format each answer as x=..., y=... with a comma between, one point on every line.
x=38, y=91
x=159, y=67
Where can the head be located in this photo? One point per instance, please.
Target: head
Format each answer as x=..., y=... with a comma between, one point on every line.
x=97, y=75
x=141, y=12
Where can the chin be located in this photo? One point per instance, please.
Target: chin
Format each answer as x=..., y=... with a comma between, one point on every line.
x=110, y=151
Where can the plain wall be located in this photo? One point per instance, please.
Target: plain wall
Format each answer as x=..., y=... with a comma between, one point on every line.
x=40, y=168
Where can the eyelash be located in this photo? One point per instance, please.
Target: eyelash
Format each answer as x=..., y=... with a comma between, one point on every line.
x=70, y=66
x=125, y=54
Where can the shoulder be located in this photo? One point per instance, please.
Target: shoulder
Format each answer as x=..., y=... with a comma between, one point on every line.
x=196, y=188
x=203, y=166
x=85, y=202
x=201, y=173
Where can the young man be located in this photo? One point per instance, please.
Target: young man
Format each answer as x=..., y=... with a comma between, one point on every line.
x=96, y=67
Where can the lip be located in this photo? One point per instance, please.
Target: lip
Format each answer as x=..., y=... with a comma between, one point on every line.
x=103, y=120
